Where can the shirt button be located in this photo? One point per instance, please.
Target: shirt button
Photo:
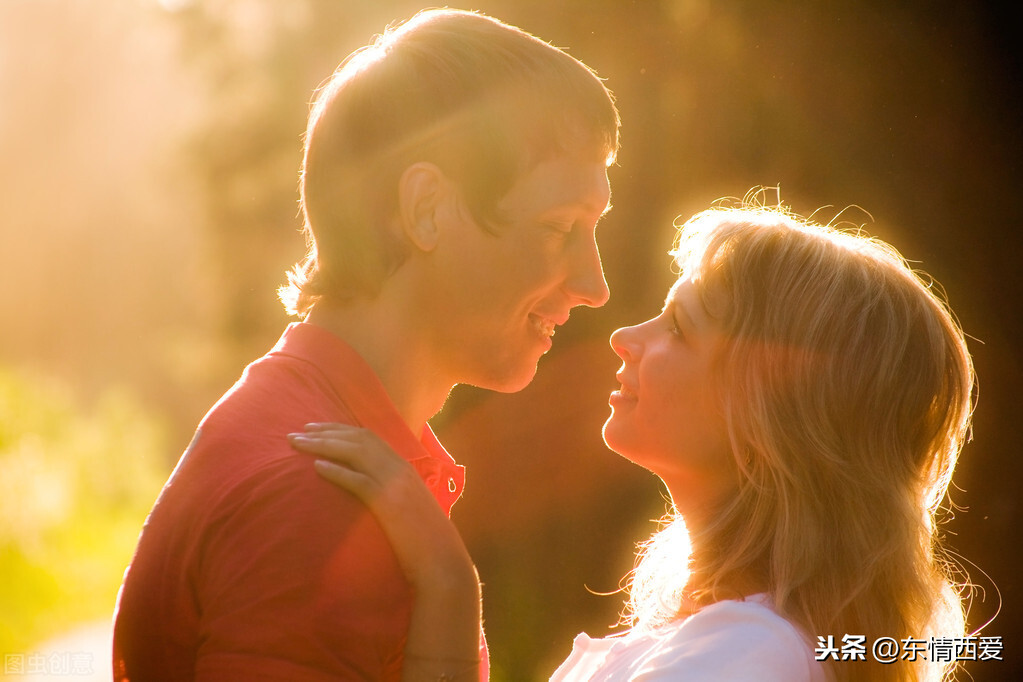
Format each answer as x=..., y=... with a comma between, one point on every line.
x=452, y=486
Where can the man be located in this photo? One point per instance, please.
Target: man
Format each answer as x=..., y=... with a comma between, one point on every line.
x=454, y=173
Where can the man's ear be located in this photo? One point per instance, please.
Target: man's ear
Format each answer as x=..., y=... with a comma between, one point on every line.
x=422, y=190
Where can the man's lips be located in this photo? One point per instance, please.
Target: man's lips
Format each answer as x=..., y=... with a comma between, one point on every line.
x=545, y=324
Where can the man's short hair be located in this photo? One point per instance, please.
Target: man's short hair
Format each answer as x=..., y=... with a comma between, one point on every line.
x=482, y=100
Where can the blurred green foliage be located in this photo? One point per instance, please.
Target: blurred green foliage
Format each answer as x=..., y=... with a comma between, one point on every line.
x=76, y=482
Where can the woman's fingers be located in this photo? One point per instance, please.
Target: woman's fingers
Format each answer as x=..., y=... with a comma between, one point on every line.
x=347, y=452
x=342, y=433
x=355, y=447
x=427, y=545
x=334, y=428
x=360, y=461
x=354, y=482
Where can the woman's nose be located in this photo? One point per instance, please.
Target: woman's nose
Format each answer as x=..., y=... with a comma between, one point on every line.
x=623, y=342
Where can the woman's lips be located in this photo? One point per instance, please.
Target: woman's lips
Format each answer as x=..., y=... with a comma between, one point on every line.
x=624, y=394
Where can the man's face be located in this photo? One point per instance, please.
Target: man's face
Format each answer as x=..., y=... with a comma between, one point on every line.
x=503, y=294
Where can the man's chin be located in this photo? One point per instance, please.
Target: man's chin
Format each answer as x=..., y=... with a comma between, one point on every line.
x=506, y=381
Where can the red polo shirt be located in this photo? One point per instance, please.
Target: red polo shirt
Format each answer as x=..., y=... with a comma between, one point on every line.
x=250, y=566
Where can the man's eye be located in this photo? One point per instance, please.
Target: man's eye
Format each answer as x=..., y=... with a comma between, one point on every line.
x=559, y=226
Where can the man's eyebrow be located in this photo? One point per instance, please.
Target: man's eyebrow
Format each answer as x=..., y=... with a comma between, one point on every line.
x=580, y=206
x=578, y=203
x=587, y=206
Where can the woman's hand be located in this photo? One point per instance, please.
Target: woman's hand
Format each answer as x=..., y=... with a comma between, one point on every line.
x=426, y=542
x=444, y=634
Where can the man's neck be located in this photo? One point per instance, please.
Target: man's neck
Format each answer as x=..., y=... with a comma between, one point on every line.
x=382, y=337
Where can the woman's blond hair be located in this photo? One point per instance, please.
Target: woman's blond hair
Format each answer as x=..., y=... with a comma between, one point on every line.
x=847, y=389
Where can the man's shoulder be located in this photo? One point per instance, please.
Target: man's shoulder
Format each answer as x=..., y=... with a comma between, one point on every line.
x=251, y=469
x=230, y=517
x=240, y=463
x=280, y=564
x=275, y=383
x=276, y=394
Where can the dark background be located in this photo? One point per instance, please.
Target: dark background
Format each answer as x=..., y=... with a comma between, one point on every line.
x=183, y=188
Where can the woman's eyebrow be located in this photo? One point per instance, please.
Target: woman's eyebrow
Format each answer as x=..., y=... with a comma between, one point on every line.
x=679, y=309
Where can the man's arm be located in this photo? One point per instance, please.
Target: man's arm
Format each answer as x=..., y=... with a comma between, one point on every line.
x=297, y=581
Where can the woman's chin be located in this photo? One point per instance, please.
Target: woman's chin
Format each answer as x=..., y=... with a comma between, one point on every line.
x=617, y=432
x=617, y=442
x=609, y=435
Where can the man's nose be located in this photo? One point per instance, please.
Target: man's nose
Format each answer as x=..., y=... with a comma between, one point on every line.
x=586, y=281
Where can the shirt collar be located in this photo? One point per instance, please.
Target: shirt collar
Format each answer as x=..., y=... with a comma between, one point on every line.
x=358, y=388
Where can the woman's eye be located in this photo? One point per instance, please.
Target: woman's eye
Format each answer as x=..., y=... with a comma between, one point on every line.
x=673, y=326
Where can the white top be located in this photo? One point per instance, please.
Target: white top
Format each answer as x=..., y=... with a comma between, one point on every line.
x=728, y=640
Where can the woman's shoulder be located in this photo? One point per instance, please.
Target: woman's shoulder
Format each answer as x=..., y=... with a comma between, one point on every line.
x=754, y=614
x=741, y=640
x=734, y=639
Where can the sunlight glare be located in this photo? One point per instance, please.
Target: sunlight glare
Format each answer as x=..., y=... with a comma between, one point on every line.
x=175, y=5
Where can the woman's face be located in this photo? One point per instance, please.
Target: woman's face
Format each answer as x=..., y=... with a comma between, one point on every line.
x=665, y=416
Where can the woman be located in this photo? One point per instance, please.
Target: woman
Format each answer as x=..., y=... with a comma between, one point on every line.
x=804, y=396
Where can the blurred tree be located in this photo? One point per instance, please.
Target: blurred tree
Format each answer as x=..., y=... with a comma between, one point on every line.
x=261, y=63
